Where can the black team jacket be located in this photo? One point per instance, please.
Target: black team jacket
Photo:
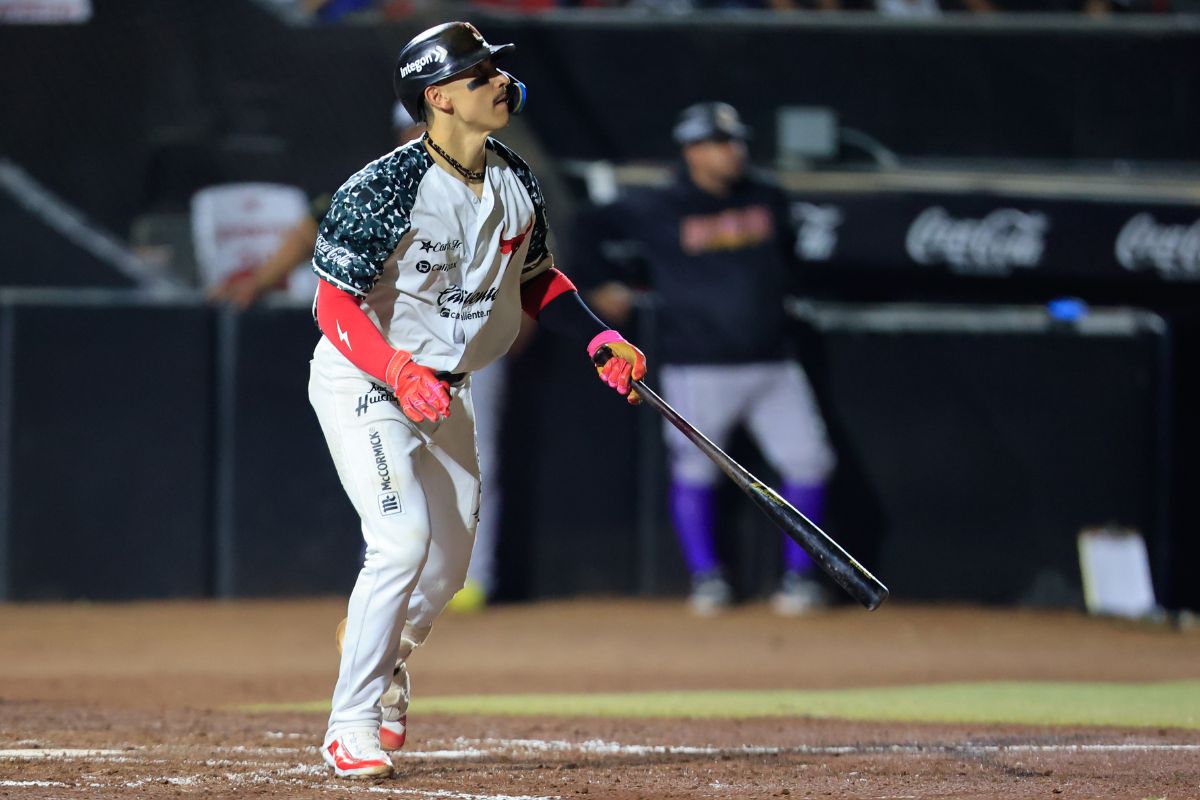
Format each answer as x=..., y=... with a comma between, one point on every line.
x=719, y=267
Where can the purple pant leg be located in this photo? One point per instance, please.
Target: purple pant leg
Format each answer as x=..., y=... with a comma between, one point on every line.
x=692, y=513
x=809, y=500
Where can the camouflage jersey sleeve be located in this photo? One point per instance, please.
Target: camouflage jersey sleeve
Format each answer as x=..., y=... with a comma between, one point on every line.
x=538, y=258
x=366, y=219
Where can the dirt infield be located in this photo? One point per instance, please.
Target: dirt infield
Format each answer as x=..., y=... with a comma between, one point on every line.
x=102, y=701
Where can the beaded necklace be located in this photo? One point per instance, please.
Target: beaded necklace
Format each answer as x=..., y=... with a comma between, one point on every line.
x=468, y=175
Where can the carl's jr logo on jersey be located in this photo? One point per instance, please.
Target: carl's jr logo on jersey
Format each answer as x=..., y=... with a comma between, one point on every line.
x=428, y=246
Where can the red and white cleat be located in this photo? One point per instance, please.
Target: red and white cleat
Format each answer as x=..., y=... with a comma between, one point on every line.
x=391, y=732
x=357, y=754
x=394, y=705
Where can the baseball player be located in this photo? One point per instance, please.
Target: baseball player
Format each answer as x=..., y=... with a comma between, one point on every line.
x=718, y=246
x=427, y=258
x=488, y=385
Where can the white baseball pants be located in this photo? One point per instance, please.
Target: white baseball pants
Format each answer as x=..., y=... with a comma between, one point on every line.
x=488, y=388
x=773, y=399
x=416, y=489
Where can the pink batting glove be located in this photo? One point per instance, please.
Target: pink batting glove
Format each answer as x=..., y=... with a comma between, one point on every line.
x=625, y=364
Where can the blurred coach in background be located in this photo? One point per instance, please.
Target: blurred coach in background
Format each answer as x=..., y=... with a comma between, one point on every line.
x=716, y=248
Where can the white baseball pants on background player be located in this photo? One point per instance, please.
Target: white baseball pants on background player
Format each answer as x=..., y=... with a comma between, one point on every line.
x=416, y=488
x=773, y=399
x=488, y=388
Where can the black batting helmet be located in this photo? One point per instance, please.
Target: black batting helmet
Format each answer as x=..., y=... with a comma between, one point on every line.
x=437, y=54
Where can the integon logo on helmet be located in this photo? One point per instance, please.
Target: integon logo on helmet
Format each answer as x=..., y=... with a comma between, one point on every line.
x=438, y=54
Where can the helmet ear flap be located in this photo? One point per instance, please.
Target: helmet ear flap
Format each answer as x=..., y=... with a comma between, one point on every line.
x=516, y=93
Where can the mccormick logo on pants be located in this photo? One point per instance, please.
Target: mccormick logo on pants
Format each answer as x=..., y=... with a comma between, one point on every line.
x=389, y=498
x=389, y=503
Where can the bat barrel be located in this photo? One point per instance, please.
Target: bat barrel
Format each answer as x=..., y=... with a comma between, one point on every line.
x=829, y=555
x=845, y=570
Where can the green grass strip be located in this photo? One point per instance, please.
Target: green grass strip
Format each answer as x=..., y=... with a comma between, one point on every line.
x=1170, y=704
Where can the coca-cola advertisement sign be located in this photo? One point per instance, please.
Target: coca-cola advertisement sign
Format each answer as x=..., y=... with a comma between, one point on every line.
x=1173, y=251
x=952, y=241
x=997, y=244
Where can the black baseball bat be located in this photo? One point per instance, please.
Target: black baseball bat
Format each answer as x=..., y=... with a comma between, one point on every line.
x=841, y=566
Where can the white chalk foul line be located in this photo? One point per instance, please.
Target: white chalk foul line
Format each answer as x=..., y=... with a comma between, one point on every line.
x=480, y=748
x=62, y=752
x=463, y=748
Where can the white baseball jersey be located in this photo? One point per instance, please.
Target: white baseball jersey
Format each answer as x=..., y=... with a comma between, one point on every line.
x=439, y=270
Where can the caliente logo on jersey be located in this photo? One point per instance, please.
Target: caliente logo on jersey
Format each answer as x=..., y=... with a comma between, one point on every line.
x=453, y=300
